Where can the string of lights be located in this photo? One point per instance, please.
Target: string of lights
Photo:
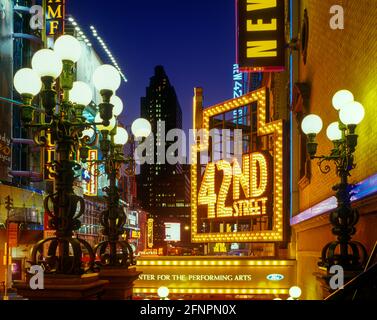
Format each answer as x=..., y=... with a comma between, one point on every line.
x=81, y=36
x=108, y=52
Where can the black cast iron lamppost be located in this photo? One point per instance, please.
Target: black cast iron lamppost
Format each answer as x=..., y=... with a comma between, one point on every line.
x=114, y=252
x=63, y=103
x=351, y=255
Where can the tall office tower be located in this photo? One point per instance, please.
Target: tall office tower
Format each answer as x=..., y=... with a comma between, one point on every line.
x=161, y=185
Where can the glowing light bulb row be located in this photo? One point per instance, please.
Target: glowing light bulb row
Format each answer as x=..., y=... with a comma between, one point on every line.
x=80, y=33
x=108, y=52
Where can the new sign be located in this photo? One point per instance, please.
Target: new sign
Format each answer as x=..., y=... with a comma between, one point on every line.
x=261, y=35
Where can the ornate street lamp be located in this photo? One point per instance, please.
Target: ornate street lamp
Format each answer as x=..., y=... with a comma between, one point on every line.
x=63, y=102
x=351, y=255
x=115, y=252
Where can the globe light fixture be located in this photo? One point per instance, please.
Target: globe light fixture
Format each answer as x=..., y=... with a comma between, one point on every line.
x=81, y=94
x=141, y=128
x=163, y=292
x=27, y=82
x=352, y=113
x=47, y=63
x=333, y=132
x=341, y=98
x=68, y=48
x=350, y=255
x=295, y=292
x=121, y=136
x=102, y=127
x=312, y=124
x=106, y=78
x=118, y=105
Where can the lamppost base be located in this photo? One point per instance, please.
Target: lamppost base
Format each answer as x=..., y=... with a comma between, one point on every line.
x=121, y=282
x=324, y=277
x=65, y=287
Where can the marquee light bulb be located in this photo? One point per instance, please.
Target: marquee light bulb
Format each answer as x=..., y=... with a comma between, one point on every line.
x=47, y=63
x=27, y=81
x=68, y=48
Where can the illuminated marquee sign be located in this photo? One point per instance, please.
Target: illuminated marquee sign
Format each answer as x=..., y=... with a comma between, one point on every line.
x=92, y=185
x=261, y=35
x=150, y=233
x=232, y=191
x=55, y=14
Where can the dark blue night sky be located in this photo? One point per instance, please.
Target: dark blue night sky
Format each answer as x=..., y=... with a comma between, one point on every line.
x=194, y=40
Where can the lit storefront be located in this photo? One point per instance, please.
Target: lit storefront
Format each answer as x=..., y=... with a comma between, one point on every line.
x=211, y=278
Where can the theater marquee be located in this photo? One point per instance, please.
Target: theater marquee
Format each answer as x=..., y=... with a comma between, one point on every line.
x=240, y=202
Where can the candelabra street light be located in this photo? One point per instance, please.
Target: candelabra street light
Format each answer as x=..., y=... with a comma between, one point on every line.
x=351, y=255
x=113, y=219
x=63, y=103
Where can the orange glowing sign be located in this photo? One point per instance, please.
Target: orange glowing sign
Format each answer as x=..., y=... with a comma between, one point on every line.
x=92, y=185
x=230, y=194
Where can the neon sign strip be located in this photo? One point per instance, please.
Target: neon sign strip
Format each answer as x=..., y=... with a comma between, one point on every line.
x=362, y=190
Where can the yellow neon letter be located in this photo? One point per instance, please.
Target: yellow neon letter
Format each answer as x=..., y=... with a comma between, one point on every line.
x=241, y=177
x=223, y=211
x=57, y=14
x=253, y=5
x=260, y=26
x=259, y=174
x=207, y=194
x=261, y=49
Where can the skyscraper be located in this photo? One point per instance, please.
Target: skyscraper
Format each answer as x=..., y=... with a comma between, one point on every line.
x=162, y=190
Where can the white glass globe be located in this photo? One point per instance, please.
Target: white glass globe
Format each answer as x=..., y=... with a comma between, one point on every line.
x=27, y=81
x=106, y=77
x=141, y=128
x=352, y=113
x=101, y=127
x=341, y=98
x=312, y=124
x=295, y=292
x=163, y=292
x=68, y=48
x=88, y=133
x=333, y=132
x=47, y=63
x=81, y=93
x=118, y=105
x=121, y=136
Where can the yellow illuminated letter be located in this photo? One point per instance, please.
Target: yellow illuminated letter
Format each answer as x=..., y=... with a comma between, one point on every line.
x=260, y=26
x=207, y=194
x=223, y=211
x=57, y=14
x=262, y=49
x=54, y=25
x=253, y=5
x=259, y=174
x=241, y=177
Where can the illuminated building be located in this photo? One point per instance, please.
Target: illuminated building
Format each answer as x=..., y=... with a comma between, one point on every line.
x=327, y=61
x=163, y=187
